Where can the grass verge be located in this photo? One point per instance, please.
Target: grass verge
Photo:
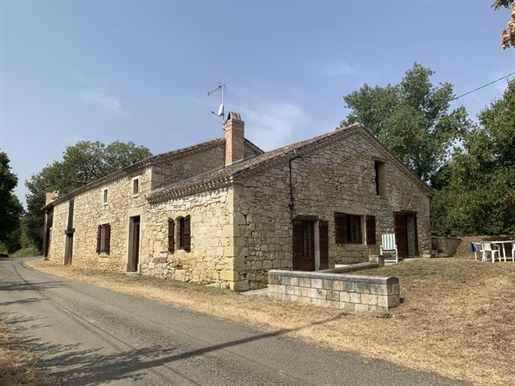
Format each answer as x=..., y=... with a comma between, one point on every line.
x=17, y=365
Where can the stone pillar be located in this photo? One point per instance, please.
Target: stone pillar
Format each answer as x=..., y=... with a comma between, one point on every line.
x=376, y=259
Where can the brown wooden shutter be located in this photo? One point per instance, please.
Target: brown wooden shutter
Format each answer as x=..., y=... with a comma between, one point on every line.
x=371, y=230
x=298, y=245
x=70, y=214
x=99, y=233
x=323, y=229
x=340, y=227
x=107, y=238
x=171, y=235
x=187, y=234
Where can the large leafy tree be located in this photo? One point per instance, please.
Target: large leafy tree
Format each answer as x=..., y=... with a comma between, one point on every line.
x=10, y=207
x=480, y=196
x=412, y=119
x=508, y=34
x=82, y=163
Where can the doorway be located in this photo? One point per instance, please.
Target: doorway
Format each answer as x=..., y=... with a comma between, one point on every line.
x=134, y=236
x=310, y=248
x=68, y=249
x=406, y=233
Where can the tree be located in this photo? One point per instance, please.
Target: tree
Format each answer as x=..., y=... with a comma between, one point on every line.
x=480, y=196
x=34, y=218
x=82, y=163
x=411, y=119
x=508, y=34
x=10, y=207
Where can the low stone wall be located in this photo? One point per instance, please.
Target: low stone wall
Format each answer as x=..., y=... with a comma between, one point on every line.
x=446, y=246
x=354, y=292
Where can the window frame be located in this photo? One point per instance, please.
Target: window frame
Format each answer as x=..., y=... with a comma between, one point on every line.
x=105, y=196
x=104, y=238
x=171, y=235
x=379, y=178
x=354, y=229
x=136, y=186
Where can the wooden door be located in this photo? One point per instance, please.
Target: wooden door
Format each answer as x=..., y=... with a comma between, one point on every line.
x=68, y=251
x=303, y=245
x=401, y=233
x=134, y=244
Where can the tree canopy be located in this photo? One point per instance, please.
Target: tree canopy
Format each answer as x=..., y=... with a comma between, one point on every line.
x=411, y=119
x=480, y=195
x=82, y=163
x=10, y=207
x=508, y=34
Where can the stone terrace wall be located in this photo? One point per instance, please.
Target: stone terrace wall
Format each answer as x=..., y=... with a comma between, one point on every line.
x=354, y=292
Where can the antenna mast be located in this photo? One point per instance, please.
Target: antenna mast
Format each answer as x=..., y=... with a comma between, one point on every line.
x=220, y=113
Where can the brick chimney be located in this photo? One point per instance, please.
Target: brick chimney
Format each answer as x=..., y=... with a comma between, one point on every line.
x=234, y=138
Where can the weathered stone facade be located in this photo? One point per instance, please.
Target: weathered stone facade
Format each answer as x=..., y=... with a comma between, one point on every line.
x=241, y=213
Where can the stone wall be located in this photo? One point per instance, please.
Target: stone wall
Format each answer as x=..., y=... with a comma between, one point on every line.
x=240, y=232
x=211, y=257
x=187, y=166
x=353, y=292
x=90, y=211
x=336, y=178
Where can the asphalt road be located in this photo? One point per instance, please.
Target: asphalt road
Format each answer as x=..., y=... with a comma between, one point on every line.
x=93, y=336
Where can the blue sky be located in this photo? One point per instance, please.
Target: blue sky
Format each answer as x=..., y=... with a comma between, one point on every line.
x=140, y=70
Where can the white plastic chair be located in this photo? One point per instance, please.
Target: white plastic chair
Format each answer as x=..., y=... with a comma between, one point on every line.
x=476, y=248
x=512, y=251
x=490, y=248
x=389, y=245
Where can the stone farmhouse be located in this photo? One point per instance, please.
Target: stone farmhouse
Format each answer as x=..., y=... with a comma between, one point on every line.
x=224, y=212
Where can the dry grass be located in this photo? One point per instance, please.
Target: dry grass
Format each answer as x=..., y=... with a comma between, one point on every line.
x=457, y=317
x=17, y=365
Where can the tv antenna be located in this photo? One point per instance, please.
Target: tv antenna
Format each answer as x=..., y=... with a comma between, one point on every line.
x=220, y=112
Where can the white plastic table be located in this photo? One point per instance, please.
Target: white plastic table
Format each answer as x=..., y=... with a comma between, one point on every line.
x=502, y=243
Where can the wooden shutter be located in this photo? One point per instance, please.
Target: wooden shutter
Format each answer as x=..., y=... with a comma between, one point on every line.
x=107, y=238
x=323, y=230
x=371, y=230
x=70, y=214
x=340, y=227
x=171, y=235
x=99, y=235
x=187, y=234
x=298, y=245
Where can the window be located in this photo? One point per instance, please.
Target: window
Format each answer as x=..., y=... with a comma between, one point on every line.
x=184, y=234
x=171, y=235
x=307, y=239
x=103, y=238
x=104, y=196
x=135, y=186
x=349, y=228
x=379, y=178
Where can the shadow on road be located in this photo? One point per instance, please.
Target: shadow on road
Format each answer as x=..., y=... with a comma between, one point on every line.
x=92, y=367
x=22, y=286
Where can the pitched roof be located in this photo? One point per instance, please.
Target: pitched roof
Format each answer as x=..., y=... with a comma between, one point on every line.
x=227, y=175
x=156, y=160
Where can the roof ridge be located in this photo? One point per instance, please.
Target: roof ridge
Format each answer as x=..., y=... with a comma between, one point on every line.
x=223, y=176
